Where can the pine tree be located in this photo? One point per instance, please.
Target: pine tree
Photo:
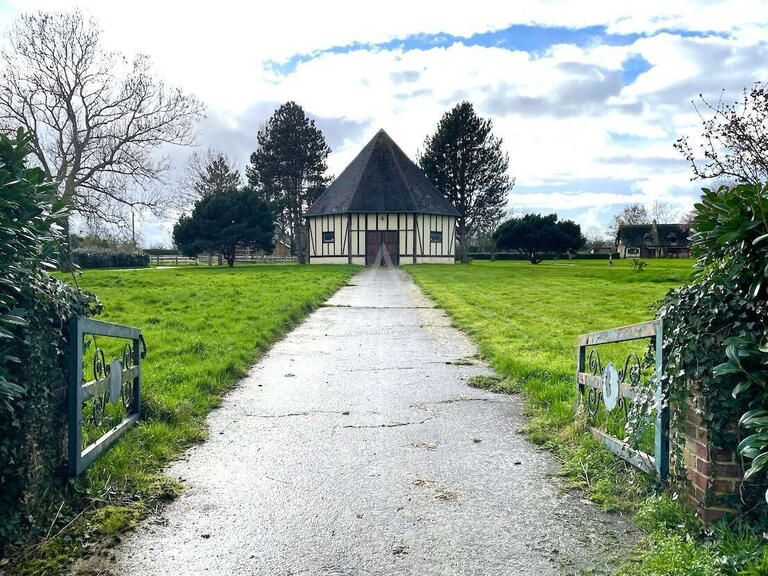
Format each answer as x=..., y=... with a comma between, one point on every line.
x=467, y=164
x=288, y=169
x=218, y=176
x=221, y=222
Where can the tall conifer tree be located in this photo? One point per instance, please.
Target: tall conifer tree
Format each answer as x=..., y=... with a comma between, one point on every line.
x=289, y=170
x=465, y=161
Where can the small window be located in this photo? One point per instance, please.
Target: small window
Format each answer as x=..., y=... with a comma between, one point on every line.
x=328, y=237
x=672, y=239
x=633, y=252
x=436, y=237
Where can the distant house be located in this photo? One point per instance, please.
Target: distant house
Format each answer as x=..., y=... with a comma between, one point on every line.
x=281, y=249
x=653, y=241
x=602, y=248
x=382, y=210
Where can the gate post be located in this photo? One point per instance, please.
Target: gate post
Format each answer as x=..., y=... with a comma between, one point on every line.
x=74, y=395
x=661, y=429
x=714, y=472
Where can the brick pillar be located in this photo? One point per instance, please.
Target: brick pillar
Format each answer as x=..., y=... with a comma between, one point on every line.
x=714, y=473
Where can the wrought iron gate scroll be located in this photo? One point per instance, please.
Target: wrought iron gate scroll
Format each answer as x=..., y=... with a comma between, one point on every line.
x=618, y=387
x=118, y=383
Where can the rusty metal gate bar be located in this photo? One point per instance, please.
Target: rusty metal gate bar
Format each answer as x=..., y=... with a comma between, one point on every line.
x=616, y=387
x=118, y=381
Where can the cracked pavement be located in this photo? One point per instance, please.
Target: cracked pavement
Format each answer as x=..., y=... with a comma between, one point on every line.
x=355, y=447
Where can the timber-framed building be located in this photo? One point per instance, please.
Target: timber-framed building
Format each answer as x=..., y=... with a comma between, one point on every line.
x=382, y=211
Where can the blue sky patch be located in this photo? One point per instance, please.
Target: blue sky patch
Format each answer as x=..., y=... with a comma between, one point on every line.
x=632, y=67
x=524, y=37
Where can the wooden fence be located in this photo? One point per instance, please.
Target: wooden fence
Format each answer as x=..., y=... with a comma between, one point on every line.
x=178, y=260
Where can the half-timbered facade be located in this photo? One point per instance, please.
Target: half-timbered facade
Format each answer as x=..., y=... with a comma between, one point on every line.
x=382, y=210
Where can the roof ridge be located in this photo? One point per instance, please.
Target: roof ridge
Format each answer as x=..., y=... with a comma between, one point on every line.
x=400, y=172
x=382, y=177
x=370, y=146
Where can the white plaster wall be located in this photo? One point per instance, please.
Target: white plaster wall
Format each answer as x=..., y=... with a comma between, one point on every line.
x=336, y=223
x=349, y=236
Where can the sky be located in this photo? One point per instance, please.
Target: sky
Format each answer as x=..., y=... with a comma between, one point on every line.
x=588, y=97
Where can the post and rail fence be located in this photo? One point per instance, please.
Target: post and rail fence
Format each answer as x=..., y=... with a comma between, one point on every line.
x=179, y=260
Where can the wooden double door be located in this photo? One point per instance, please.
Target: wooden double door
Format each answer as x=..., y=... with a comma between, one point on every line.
x=382, y=248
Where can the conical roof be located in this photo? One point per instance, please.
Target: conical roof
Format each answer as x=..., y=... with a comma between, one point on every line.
x=382, y=178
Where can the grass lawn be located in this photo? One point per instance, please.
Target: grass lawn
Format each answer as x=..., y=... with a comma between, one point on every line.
x=525, y=320
x=204, y=327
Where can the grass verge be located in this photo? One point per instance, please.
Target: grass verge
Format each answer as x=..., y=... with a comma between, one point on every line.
x=525, y=320
x=204, y=327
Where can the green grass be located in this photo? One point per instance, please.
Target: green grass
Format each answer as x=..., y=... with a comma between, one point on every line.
x=525, y=320
x=203, y=327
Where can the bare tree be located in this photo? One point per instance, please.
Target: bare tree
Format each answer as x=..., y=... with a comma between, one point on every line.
x=688, y=217
x=595, y=237
x=734, y=140
x=98, y=121
x=631, y=214
x=665, y=212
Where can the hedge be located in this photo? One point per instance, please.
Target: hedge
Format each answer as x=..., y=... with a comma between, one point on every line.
x=516, y=256
x=34, y=310
x=95, y=258
x=162, y=251
x=33, y=438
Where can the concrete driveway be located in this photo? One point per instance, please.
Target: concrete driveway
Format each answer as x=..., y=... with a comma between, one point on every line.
x=355, y=447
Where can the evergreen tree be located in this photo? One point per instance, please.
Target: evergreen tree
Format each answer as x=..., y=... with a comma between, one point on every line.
x=223, y=221
x=288, y=170
x=534, y=234
x=217, y=176
x=467, y=164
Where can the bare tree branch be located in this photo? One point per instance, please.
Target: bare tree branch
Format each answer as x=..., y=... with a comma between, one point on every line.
x=99, y=121
x=734, y=139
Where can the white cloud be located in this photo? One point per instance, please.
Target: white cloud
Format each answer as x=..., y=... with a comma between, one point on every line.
x=564, y=114
x=561, y=201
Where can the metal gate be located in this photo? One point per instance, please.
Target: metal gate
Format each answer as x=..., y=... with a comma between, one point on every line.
x=117, y=384
x=619, y=387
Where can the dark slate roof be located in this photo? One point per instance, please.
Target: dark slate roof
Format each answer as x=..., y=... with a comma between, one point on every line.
x=648, y=235
x=382, y=178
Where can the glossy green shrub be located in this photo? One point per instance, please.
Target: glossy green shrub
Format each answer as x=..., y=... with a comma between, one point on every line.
x=715, y=328
x=34, y=309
